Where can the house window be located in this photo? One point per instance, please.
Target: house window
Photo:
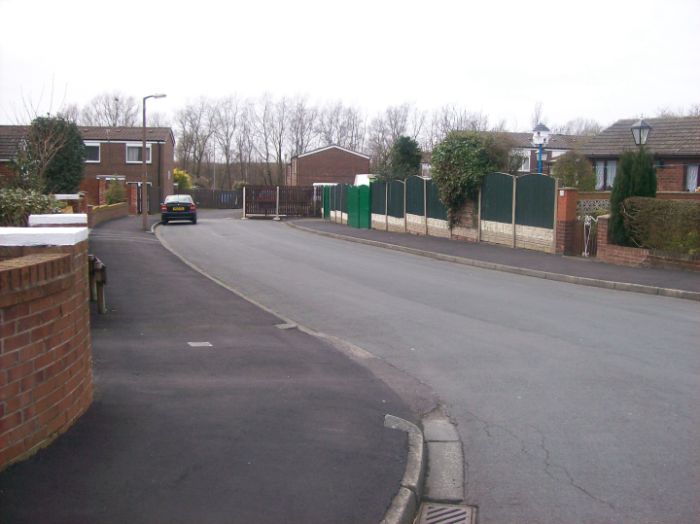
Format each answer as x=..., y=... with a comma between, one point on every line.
x=525, y=155
x=92, y=152
x=605, y=172
x=691, y=177
x=133, y=154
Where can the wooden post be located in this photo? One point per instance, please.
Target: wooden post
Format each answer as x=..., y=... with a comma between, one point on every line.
x=244, y=217
x=277, y=205
x=386, y=206
x=425, y=204
x=556, y=202
x=515, y=185
x=478, y=218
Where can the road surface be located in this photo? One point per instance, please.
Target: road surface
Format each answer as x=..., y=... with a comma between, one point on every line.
x=575, y=404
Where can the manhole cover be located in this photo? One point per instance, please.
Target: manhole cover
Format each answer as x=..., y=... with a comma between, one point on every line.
x=446, y=514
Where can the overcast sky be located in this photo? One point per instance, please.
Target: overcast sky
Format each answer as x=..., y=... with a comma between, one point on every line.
x=603, y=60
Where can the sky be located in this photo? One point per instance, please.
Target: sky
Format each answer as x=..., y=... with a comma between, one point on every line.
x=601, y=60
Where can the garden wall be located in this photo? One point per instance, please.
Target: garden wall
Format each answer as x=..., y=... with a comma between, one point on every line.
x=639, y=257
x=45, y=346
x=99, y=214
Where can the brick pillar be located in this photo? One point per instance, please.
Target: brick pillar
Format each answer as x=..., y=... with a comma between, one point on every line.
x=101, y=192
x=566, y=220
x=133, y=198
x=602, y=234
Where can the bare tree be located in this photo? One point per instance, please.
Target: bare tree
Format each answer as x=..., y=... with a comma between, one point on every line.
x=578, y=126
x=111, y=110
x=245, y=140
x=195, y=127
x=301, y=133
x=227, y=115
x=278, y=134
x=70, y=112
x=537, y=115
x=451, y=118
x=341, y=125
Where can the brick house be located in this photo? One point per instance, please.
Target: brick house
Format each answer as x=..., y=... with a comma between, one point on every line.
x=674, y=142
x=331, y=164
x=112, y=153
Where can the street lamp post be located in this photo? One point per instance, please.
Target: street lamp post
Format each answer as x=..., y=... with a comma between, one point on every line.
x=540, y=138
x=144, y=172
x=640, y=132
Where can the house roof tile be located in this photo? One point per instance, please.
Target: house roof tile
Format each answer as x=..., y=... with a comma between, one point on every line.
x=10, y=136
x=668, y=137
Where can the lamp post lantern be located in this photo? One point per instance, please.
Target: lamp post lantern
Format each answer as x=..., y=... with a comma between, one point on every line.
x=640, y=132
x=540, y=138
x=144, y=172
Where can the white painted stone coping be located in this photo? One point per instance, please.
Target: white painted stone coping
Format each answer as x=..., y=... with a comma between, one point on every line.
x=67, y=196
x=42, y=236
x=58, y=219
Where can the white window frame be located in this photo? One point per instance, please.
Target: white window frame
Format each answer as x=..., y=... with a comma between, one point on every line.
x=138, y=145
x=527, y=159
x=99, y=152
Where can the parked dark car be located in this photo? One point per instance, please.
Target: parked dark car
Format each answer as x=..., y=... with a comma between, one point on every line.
x=178, y=207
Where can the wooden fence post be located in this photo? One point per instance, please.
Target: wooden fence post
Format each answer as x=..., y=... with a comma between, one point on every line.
x=277, y=205
x=244, y=217
x=515, y=185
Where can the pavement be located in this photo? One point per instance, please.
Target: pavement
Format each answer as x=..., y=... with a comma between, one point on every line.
x=575, y=270
x=208, y=410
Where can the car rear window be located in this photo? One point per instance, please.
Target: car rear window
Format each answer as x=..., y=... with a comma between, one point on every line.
x=178, y=198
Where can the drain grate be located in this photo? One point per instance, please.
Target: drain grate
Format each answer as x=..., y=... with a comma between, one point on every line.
x=446, y=514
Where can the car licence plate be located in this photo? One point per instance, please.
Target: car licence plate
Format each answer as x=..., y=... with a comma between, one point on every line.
x=178, y=208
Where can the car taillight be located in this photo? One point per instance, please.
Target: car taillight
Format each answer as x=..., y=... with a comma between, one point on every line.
x=193, y=207
x=163, y=208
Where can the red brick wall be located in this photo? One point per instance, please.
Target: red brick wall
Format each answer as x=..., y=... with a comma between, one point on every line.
x=670, y=177
x=639, y=257
x=45, y=346
x=567, y=198
x=100, y=214
x=330, y=165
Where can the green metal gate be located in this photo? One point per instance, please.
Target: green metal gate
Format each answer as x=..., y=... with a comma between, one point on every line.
x=359, y=206
x=326, y=201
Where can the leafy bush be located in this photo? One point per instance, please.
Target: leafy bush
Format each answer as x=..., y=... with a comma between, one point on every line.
x=666, y=225
x=183, y=180
x=404, y=159
x=115, y=193
x=17, y=204
x=460, y=162
x=573, y=169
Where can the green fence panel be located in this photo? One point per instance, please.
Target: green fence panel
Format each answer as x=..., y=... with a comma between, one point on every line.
x=396, y=201
x=534, y=201
x=353, y=206
x=327, y=201
x=436, y=209
x=364, y=207
x=415, y=202
x=378, y=195
x=497, y=198
x=344, y=198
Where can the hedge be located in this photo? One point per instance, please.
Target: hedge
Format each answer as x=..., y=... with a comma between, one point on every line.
x=665, y=225
x=17, y=204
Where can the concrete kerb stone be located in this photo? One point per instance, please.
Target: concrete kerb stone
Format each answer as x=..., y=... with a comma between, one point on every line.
x=557, y=277
x=405, y=504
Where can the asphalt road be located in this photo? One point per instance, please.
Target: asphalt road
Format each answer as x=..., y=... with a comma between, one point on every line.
x=575, y=404
x=263, y=425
